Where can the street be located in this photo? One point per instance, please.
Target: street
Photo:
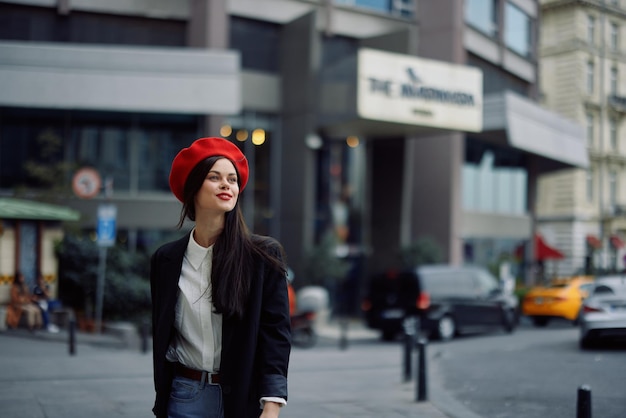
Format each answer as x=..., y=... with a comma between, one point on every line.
x=530, y=373
x=535, y=372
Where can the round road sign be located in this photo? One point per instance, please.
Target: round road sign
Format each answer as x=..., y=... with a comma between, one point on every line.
x=86, y=183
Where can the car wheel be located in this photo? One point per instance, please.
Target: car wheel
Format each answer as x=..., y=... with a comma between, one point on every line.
x=586, y=343
x=540, y=321
x=576, y=321
x=446, y=328
x=388, y=335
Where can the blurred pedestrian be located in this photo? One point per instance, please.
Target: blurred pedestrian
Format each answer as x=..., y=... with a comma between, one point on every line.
x=41, y=295
x=22, y=303
x=221, y=328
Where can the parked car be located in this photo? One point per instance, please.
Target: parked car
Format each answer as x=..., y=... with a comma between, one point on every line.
x=562, y=298
x=448, y=300
x=604, y=311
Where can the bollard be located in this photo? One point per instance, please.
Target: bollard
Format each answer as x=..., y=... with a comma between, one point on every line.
x=583, y=405
x=72, y=335
x=409, y=328
x=420, y=381
x=343, y=337
x=144, y=336
x=408, y=351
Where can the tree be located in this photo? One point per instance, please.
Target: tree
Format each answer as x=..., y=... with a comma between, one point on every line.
x=424, y=250
x=46, y=170
x=126, y=288
x=322, y=265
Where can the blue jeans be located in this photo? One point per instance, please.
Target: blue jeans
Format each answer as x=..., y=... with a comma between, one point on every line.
x=194, y=399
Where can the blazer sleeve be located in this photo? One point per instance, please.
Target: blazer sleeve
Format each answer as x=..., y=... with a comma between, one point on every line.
x=274, y=339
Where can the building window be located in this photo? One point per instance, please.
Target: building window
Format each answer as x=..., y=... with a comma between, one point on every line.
x=614, y=81
x=590, y=130
x=402, y=8
x=612, y=189
x=613, y=133
x=589, y=185
x=258, y=43
x=133, y=150
x=44, y=24
x=482, y=15
x=614, y=37
x=591, y=29
x=494, y=180
x=590, y=77
x=517, y=30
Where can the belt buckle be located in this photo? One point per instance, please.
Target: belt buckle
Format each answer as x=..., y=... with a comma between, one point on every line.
x=209, y=378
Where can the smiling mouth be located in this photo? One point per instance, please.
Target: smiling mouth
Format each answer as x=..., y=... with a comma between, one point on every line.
x=224, y=196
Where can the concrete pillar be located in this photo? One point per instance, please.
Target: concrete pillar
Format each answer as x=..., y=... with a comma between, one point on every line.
x=435, y=173
x=208, y=28
x=299, y=64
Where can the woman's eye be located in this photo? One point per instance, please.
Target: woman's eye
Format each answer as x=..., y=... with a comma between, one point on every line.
x=232, y=180
x=213, y=178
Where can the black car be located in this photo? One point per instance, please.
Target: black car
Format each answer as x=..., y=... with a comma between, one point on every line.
x=449, y=300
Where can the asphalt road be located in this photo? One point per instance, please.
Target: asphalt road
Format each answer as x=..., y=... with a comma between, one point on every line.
x=530, y=373
x=535, y=372
x=40, y=379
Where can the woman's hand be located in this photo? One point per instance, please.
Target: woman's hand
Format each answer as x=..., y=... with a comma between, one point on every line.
x=270, y=410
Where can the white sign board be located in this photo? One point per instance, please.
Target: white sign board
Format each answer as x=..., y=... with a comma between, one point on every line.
x=405, y=89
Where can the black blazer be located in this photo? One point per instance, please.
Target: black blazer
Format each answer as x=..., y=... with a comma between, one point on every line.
x=255, y=348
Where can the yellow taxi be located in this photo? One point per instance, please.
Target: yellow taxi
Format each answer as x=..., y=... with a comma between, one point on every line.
x=562, y=298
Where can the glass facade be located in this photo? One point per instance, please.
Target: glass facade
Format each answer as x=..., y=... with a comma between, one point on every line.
x=517, y=30
x=493, y=188
x=403, y=8
x=255, y=134
x=135, y=151
x=497, y=81
x=39, y=24
x=257, y=42
x=482, y=15
x=494, y=181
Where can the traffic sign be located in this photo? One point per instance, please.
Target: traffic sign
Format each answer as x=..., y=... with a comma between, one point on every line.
x=106, y=230
x=86, y=183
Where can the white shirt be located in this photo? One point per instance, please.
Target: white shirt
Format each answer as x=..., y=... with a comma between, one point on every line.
x=198, y=342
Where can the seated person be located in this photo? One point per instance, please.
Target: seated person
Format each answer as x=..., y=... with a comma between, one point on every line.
x=41, y=294
x=22, y=304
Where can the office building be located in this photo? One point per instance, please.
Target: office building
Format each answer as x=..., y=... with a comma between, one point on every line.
x=382, y=121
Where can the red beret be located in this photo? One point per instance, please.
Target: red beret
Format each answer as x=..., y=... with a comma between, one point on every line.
x=201, y=149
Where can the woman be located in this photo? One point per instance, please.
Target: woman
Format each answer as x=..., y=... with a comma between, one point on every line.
x=22, y=304
x=220, y=310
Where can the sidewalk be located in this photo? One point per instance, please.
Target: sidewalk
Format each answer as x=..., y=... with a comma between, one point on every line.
x=107, y=378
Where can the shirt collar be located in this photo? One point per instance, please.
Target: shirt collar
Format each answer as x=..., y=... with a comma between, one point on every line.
x=196, y=253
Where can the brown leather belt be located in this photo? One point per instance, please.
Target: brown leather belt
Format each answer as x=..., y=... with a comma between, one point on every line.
x=199, y=375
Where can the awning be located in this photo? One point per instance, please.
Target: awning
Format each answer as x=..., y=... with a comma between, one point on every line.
x=616, y=242
x=593, y=241
x=120, y=78
x=543, y=251
x=27, y=209
x=515, y=121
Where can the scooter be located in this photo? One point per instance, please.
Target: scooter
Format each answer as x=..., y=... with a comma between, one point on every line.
x=303, y=334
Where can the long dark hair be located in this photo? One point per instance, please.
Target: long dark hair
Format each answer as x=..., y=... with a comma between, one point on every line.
x=236, y=251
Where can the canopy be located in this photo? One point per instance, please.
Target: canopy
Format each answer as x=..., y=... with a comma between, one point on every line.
x=543, y=251
x=27, y=209
x=616, y=242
